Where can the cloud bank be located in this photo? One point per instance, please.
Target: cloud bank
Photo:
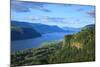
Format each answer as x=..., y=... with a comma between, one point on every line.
x=19, y=6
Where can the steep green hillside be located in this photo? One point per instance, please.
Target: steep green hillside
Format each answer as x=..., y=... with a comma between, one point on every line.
x=19, y=33
x=79, y=47
x=76, y=48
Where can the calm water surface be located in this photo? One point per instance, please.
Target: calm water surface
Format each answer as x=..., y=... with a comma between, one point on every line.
x=36, y=42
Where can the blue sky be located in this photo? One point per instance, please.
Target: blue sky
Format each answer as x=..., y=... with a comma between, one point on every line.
x=62, y=15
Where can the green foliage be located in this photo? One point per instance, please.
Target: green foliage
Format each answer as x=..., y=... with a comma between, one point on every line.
x=70, y=53
x=67, y=40
x=51, y=53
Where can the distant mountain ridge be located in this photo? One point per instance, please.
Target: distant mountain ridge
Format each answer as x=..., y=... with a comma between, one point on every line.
x=72, y=29
x=90, y=26
x=20, y=33
x=41, y=28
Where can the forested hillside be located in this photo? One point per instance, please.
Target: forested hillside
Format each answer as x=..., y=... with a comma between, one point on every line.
x=20, y=33
x=79, y=47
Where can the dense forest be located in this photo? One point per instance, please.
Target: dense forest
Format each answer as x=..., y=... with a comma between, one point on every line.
x=78, y=47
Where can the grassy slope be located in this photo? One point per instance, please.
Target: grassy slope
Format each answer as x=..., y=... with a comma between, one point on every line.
x=74, y=48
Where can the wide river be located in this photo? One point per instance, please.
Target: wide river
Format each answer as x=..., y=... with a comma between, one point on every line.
x=36, y=42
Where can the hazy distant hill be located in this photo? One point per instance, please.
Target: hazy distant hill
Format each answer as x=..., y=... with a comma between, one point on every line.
x=41, y=28
x=72, y=29
x=19, y=33
x=89, y=26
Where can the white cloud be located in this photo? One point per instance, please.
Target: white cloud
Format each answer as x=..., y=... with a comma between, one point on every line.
x=25, y=6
